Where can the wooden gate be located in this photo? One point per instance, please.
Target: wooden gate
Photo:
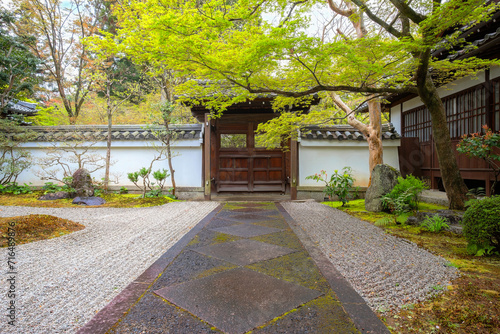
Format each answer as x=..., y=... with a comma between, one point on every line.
x=241, y=166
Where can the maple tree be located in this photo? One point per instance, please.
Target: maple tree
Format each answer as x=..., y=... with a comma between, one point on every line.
x=240, y=53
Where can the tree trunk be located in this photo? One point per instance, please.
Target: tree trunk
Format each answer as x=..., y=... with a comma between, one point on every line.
x=454, y=185
x=372, y=131
x=374, y=139
x=109, y=113
x=169, y=156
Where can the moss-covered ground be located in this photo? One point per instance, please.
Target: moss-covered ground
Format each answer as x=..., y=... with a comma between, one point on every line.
x=24, y=229
x=470, y=305
x=112, y=201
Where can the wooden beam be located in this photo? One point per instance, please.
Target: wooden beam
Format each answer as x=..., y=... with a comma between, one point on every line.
x=294, y=168
x=206, y=157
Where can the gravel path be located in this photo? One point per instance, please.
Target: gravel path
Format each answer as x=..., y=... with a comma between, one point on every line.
x=385, y=270
x=62, y=282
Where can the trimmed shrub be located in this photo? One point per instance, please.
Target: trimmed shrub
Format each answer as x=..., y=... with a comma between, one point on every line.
x=481, y=225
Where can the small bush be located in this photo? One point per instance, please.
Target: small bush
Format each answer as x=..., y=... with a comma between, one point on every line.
x=340, y=184
x=481, y=226
x=404, y=196
x=435, y=223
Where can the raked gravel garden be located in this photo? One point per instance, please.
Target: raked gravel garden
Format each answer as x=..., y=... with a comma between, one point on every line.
x=63, y=282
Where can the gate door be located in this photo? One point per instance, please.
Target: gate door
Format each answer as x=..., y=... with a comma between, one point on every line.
x=243, y=167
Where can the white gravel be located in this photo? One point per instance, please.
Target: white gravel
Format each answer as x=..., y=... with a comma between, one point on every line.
x=386, y=271
x=63, y=282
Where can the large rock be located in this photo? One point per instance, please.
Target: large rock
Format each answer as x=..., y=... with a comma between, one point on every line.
x=384, y=178
x=89, y=201
x=54, y=196
x=82, y=183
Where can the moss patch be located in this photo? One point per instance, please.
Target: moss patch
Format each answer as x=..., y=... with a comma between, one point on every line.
x=284, y=238
x=324, y=314
x=296, y=267
x=215, y=270
x=35, y=228
x=112, y=201
x=220, y=238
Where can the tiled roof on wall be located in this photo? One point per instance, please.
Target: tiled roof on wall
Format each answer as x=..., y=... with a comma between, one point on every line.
x=22, y=108
x=345, y=132
x=118, y=132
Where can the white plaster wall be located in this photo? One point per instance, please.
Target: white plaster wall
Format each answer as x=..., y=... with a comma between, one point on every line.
x=329, y=155
x=130, y=156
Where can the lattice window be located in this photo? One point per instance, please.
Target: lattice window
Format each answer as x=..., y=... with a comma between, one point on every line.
x=417, y=123
x=465, y=113
x=496, y=104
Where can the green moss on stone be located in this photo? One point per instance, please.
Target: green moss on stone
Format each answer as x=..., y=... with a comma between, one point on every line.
x=296, y=267
x=220, y=238
x=215, y=270
x=284, y=238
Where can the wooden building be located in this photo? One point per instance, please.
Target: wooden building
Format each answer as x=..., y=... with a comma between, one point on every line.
x=470, y=103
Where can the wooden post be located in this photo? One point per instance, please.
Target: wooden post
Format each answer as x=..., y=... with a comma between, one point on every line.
x=294, y=170
x=206, y=157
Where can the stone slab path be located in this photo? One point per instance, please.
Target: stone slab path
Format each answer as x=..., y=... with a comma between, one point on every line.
x=244, y=267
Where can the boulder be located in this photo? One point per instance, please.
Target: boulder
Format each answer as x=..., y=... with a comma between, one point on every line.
x=54, y=196
x=384, y=178
x=89, y=200
x=82, y=183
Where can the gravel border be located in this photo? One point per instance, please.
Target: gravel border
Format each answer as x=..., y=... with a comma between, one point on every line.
x=63, y=282
x=386, y=271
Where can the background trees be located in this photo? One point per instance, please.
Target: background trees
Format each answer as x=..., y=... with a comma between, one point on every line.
x=60, y=28
x=18, y=66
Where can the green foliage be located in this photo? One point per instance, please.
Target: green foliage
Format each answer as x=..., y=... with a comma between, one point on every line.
x=15, y=189
x=18, y=66
x=142, y=180
x=123, y=190
x=384, y=221
x=404, y=196
x=339, y=184
x=435, y=223
x=481, y=226
x=483, y=146
x=50, y=187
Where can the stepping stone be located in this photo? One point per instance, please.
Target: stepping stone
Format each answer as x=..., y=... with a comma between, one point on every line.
x=246, y=230
x=245, y=218
x=244, y=252
x=219, y=222
x=238, y=300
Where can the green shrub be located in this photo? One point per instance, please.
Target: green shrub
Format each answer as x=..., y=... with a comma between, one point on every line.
x=50, y=187
x=340, y=184
x=481, y=226
x=435, y=223
x=14, y=188
x=404, y=196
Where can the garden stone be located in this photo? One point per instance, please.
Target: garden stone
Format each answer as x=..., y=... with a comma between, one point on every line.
x=384, y=178
x=82, y=183
x=412, y=221
x=55, y=196
x=89, y=200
